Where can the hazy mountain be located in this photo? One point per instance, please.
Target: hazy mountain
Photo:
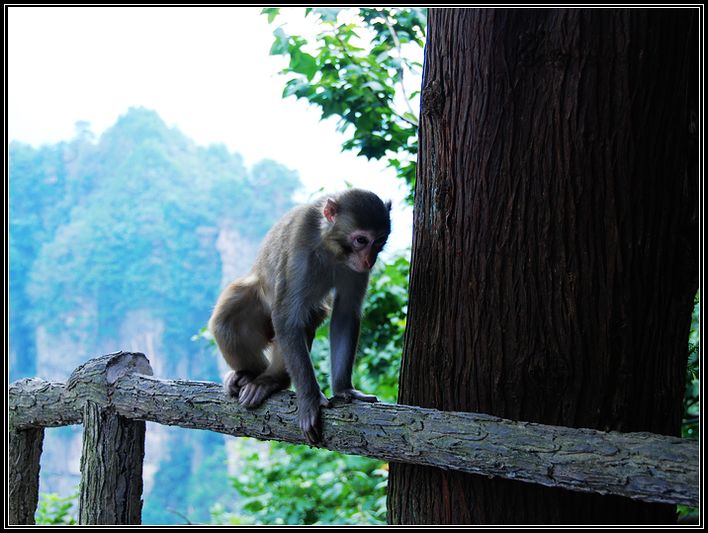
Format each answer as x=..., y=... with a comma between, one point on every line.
x=124, y=243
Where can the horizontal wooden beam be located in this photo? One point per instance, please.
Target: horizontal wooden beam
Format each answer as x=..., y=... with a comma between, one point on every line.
x=35, y=403
x=642, y=466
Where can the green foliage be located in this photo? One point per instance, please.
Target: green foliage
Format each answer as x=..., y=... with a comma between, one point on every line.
x=691, y=402
x=687, y=515
x=302, y=485
x=383, y=328
x=286, y=484
x=357, y=71
x=55, y=510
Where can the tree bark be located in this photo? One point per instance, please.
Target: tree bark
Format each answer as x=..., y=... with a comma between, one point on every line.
x=555, y=241
x=25, y=449
x=35, y=403
x=111, y=468
x=114, y=446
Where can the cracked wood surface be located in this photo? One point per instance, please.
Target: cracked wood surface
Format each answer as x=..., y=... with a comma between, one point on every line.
x=642, y=466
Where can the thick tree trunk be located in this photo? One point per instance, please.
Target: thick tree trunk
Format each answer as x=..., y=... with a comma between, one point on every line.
x=555, y=241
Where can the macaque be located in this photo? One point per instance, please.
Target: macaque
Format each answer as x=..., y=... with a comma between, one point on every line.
x=318, y=255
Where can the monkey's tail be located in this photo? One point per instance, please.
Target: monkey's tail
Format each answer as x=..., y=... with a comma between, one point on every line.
x=242, y=326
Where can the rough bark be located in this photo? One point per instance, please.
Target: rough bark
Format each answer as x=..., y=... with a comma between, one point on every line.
x=23, y=474
x=555, y=241
x=41, y=404
x=113, y=446
x=584, y=460
x=111, y=468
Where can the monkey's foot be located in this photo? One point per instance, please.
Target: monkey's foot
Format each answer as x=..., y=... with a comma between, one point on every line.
x=309, y=416
x=234, y=381
x=256, y=391
x=352, y=394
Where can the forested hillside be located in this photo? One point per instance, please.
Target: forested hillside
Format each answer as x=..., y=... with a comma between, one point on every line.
x=123, y=242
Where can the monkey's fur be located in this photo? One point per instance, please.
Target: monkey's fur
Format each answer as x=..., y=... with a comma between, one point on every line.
x=317, y=255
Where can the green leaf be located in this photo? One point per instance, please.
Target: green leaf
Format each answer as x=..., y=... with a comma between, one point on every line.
x=280, y=44
x=327, y=14
x=411, y=117
x=272, y=12
x=303, y=63
x=297, y=88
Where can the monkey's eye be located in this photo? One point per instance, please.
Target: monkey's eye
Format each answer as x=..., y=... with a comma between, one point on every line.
x=363, y=241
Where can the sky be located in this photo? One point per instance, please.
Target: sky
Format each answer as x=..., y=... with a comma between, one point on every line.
x=205, y=70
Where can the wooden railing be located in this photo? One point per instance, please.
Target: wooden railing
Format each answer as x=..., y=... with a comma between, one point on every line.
x=113, y=396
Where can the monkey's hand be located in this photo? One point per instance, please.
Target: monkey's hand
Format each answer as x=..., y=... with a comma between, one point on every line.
x=309, y=415
x=352, y=394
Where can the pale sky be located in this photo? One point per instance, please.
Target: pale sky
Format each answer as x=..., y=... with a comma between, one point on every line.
x=205, y=70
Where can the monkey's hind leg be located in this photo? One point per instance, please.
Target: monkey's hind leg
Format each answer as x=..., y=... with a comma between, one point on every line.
x=242, y=329
x=275, y=378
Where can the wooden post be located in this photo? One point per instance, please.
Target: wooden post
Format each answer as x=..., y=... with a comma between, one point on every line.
x=114, y=446
x=24, y=453
x=111, y=468
x=36, y=403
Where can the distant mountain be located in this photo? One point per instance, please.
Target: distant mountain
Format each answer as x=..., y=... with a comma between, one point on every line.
x=124, y=243
x=136, y=226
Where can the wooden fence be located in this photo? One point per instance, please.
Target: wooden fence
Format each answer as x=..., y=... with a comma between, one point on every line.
x=113, y=396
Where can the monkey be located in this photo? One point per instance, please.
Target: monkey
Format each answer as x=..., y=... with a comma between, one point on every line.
x=316, y=257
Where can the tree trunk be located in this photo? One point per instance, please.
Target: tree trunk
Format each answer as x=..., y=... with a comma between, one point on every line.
x=555, y=253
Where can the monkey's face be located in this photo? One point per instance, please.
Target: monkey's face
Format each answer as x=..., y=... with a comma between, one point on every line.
x=365, y=246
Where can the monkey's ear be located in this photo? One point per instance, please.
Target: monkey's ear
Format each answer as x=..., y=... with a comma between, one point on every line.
x=388, y=205
x=330, y=210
